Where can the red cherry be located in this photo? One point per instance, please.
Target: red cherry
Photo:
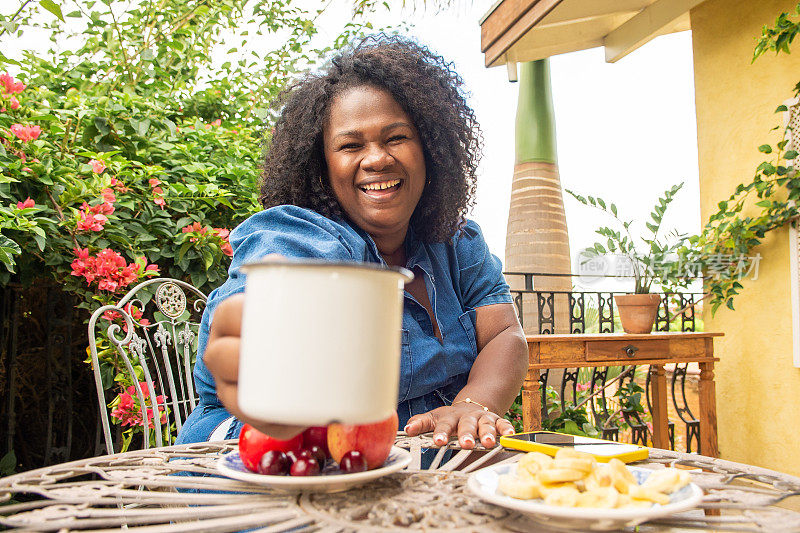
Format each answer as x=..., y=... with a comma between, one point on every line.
x=253, y=445
x=352, y=462
x=292, y=455
x=317, y=453
x=317, y=436
x=274, y=463
x=305, y=467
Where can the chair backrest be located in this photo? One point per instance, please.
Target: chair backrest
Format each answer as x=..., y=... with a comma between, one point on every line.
x=143, y=351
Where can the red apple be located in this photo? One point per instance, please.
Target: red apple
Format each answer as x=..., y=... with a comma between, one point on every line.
x=253, y=445
x=373, y=441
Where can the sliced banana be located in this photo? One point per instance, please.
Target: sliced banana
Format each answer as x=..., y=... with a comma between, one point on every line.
x=516, y=487
x=621, y=477
x=560, y=475
x=602, y=498
x=574, y=479
x=641, y=493
x=575, y=463
x=569, y=453
x=563, y=497
x=534, y=462
x=547, y=488
x=626, y=501
x=665, y=480
x=600, y=477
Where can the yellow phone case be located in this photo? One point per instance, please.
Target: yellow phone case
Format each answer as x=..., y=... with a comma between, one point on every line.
x=550, y=449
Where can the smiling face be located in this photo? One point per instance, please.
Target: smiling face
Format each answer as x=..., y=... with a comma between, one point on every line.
x=375, y=160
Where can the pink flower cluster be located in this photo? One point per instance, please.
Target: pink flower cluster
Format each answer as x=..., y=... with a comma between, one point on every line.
x=11, y=86
x=26, y=204
x=128, y=411
x=158, y=192
x=26, y=133
x=222, y=233
x=119, y=185
x=97, y=166
x=132, y=311
x=109, y=269
x=93, y=218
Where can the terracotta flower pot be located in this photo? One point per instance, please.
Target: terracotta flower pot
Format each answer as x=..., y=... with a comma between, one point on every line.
x=637, y=312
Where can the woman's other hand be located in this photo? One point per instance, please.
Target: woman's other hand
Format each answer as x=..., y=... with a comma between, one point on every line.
x=222, y=359
x=466, y=420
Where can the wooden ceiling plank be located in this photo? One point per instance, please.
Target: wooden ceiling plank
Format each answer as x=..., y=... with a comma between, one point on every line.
x=654, y=20
x=573, y=11
x=527, y=21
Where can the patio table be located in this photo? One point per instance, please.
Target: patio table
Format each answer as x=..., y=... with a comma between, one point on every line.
x=619, y=349
x=138, y=491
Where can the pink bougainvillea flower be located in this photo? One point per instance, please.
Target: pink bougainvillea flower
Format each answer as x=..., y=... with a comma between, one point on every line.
x=100, y=209
x=217, y=122
x=108, y=195
x=27, y=169
x=13, y=103
x=108, y=268
x=194, y=226
x=226, y=248
x=153, y=182
x=27, y=203
x=26, y=133
x=97, y=166
x=10, y=86
x=222, y=232
x=91, y=222
x=160, y=202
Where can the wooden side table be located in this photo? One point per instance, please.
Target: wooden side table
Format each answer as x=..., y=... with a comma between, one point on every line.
x=617, y=349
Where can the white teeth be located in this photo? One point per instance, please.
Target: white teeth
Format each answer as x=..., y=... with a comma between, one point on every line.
x=380, y=185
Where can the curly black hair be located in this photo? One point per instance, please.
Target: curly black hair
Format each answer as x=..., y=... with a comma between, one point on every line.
x=425, y=86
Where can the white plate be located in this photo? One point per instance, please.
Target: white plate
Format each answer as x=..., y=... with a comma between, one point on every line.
x=483, y=483
x=331, y=479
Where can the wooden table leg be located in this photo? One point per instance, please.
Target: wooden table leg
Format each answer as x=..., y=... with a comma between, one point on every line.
x=660, y=421
x=708, y=411
x=531, y=401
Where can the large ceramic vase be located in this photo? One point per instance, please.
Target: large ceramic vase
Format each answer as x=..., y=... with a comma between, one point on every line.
x=637, y=312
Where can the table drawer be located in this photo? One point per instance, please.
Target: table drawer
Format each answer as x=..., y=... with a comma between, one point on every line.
x=626, y=350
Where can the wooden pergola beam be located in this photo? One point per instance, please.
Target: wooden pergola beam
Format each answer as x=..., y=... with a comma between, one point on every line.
x=656, y=19
x=506, y=24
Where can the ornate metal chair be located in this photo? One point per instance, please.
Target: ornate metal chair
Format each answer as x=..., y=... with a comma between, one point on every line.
x=143, y=351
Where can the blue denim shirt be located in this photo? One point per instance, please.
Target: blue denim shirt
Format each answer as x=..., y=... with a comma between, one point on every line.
x=459, y=275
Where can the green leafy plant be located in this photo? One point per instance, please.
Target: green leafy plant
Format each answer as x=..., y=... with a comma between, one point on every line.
x=767, y=202
x=650, y=263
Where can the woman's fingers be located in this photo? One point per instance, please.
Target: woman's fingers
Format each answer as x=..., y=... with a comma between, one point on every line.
x=467, y=431
x=421, y=423
x=504, y=427
x=487, y=429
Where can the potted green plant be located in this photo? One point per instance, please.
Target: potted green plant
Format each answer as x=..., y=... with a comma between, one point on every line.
x=649, y=263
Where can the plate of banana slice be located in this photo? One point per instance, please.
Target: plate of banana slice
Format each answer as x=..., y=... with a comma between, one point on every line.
x=573, y=491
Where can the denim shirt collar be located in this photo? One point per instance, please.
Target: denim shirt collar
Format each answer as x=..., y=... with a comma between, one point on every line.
x=416, y=251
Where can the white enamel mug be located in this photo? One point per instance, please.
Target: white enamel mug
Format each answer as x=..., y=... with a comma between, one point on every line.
x=320, y=342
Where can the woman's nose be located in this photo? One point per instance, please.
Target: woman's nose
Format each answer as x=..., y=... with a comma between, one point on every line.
x=376, y=158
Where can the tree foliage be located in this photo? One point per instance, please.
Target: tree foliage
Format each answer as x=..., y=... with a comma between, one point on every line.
x=132, y=147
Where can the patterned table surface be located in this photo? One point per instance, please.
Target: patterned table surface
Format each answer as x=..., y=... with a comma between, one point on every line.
x=138, y=491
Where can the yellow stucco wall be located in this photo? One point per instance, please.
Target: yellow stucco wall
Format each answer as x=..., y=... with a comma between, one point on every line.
x=758, y=388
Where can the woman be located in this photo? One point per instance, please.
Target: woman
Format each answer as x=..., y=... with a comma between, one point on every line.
x=374, y=160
